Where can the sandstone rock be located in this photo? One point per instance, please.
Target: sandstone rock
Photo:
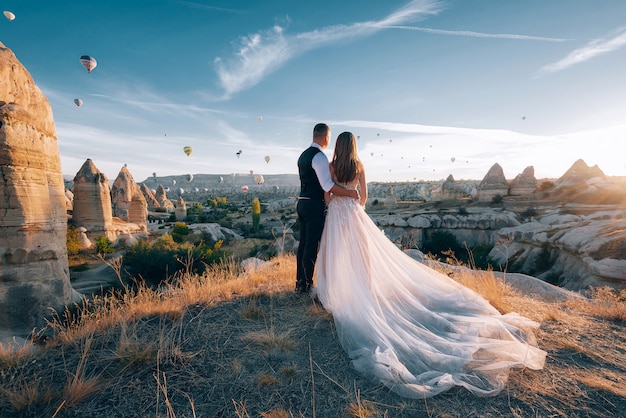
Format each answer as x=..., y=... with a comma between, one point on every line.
x=524, y=184
x=83, y=239
x=69, y=200
x=92, y=202
x=493, y=184
x=579, y=173
x=215, y=231
x=161, y=197
x=34, y=273
x=572, y=251
x=128, y=202
x=181, y=209
x=151, y=201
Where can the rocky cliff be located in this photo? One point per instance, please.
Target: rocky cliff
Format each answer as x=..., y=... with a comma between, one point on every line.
x=34, y=274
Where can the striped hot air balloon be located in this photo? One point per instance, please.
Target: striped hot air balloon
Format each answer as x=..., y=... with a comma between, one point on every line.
x=188, y=150
x=88, y=62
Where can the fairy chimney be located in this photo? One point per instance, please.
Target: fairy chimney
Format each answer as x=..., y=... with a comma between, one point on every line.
x=181, y=209
x=494, y=183
x=34, y=273
x=161, y=197
x=128, y=201
x=524, y=184
x=151, y=201
x=92, y=202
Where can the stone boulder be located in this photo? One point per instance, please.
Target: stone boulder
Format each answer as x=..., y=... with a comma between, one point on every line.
x=215, y=232
x=494, y=183
x=128, y=202
x=524, y=184
x=34, y=273
x=92, y=202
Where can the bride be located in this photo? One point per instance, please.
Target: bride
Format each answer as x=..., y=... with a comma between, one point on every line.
x=410, y=327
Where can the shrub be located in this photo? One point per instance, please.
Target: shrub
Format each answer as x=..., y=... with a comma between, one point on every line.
x=441, y=242
x=158, y=261
x=72, y=241
x=180, y=231
x=104, y=245
x=497, y=199
x=529, y=213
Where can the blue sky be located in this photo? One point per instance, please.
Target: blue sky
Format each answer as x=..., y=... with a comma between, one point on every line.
x=520, y=83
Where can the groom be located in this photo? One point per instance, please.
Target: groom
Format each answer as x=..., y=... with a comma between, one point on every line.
x=314, y=181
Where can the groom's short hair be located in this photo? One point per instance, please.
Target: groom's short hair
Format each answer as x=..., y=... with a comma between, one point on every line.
x=320, y=130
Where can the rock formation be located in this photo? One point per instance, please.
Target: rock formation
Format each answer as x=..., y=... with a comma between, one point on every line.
x=34, y=273
x=151, y=201
x=572, y=251
x=127, y=199
x=493, y=184
x=579, y=173
x=161, y=197
x=181, y=209
x=524, y=184
x=92, y=202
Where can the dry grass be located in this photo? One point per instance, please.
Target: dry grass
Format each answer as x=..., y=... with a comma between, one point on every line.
x=234, y=343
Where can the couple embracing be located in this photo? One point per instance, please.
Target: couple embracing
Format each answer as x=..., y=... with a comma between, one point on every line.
x=403, y=324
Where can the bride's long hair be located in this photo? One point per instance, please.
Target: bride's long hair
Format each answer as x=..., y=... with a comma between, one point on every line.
x=346, y=163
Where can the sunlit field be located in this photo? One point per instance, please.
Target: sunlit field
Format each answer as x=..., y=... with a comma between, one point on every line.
x=237, y=343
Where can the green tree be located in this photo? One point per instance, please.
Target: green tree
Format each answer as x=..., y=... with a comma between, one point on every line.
x=180, y=231
x=104, y=245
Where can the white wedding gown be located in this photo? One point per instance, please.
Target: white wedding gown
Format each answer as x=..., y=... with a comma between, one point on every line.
x=414, y=329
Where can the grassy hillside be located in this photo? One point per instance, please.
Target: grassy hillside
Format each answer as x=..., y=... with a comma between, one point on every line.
x=242, y=344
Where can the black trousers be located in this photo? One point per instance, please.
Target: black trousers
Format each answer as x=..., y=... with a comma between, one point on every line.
x=311, y=215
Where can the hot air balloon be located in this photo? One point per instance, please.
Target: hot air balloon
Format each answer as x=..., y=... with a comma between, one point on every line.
x=221, y=179
x=453, y=159
x=238, y=153
x=78, y=102
x=267, y=158
x=260, y=118
x=88, y=62
x=173, y=182
x=187, y=150
x=189, y=177
x=9, y=15
x=195, y=189
x=251, y=172
x=244, y=189
x=259, y=179
x=181, y=191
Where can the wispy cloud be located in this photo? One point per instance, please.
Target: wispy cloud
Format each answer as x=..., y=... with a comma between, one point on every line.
x=194, y=5
x=261, y=53
x=612, y=42
x=475, y=34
